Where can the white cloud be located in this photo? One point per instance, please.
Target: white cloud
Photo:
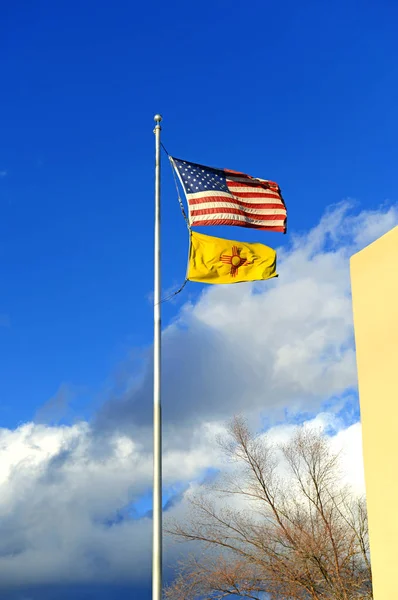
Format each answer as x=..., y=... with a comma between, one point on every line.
x=262, y=347
x=253, y=349
x=62, y=490
x=58, y=495
x=349, y=443
x=3, y=173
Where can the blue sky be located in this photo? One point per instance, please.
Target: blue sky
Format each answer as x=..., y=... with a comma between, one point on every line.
x=301, y=93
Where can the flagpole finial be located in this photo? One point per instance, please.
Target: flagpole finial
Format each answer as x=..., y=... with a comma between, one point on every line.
x=157, y=118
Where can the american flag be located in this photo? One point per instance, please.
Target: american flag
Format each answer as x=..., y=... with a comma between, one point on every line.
x=225, y=197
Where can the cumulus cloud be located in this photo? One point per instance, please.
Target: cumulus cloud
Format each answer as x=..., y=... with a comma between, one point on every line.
x=261, y=347
x=56, y=504
x=66, y=512
x=67, y=504
x=345, y=441
x=67, y=493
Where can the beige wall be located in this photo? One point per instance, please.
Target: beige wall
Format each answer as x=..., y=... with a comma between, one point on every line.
x=374, y=280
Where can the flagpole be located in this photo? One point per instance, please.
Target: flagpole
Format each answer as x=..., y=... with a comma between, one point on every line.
x=157, y=416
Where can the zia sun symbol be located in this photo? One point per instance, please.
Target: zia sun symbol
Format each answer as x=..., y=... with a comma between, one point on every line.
x=235, y=261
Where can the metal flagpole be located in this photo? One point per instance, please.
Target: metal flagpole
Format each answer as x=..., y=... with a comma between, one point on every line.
x=157, y=416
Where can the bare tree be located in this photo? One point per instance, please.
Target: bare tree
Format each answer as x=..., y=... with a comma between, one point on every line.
x=281, y=527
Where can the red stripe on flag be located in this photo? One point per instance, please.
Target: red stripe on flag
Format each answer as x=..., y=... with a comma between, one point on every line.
x=255, y=194
x=235, y=199
x=226, y=171
x=235, y=211
x=195, y=204
x=251, y=184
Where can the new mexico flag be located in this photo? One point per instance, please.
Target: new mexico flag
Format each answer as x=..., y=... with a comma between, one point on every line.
x=215, y=260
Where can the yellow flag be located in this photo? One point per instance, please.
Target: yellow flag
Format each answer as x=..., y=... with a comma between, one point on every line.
x=215, y=260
